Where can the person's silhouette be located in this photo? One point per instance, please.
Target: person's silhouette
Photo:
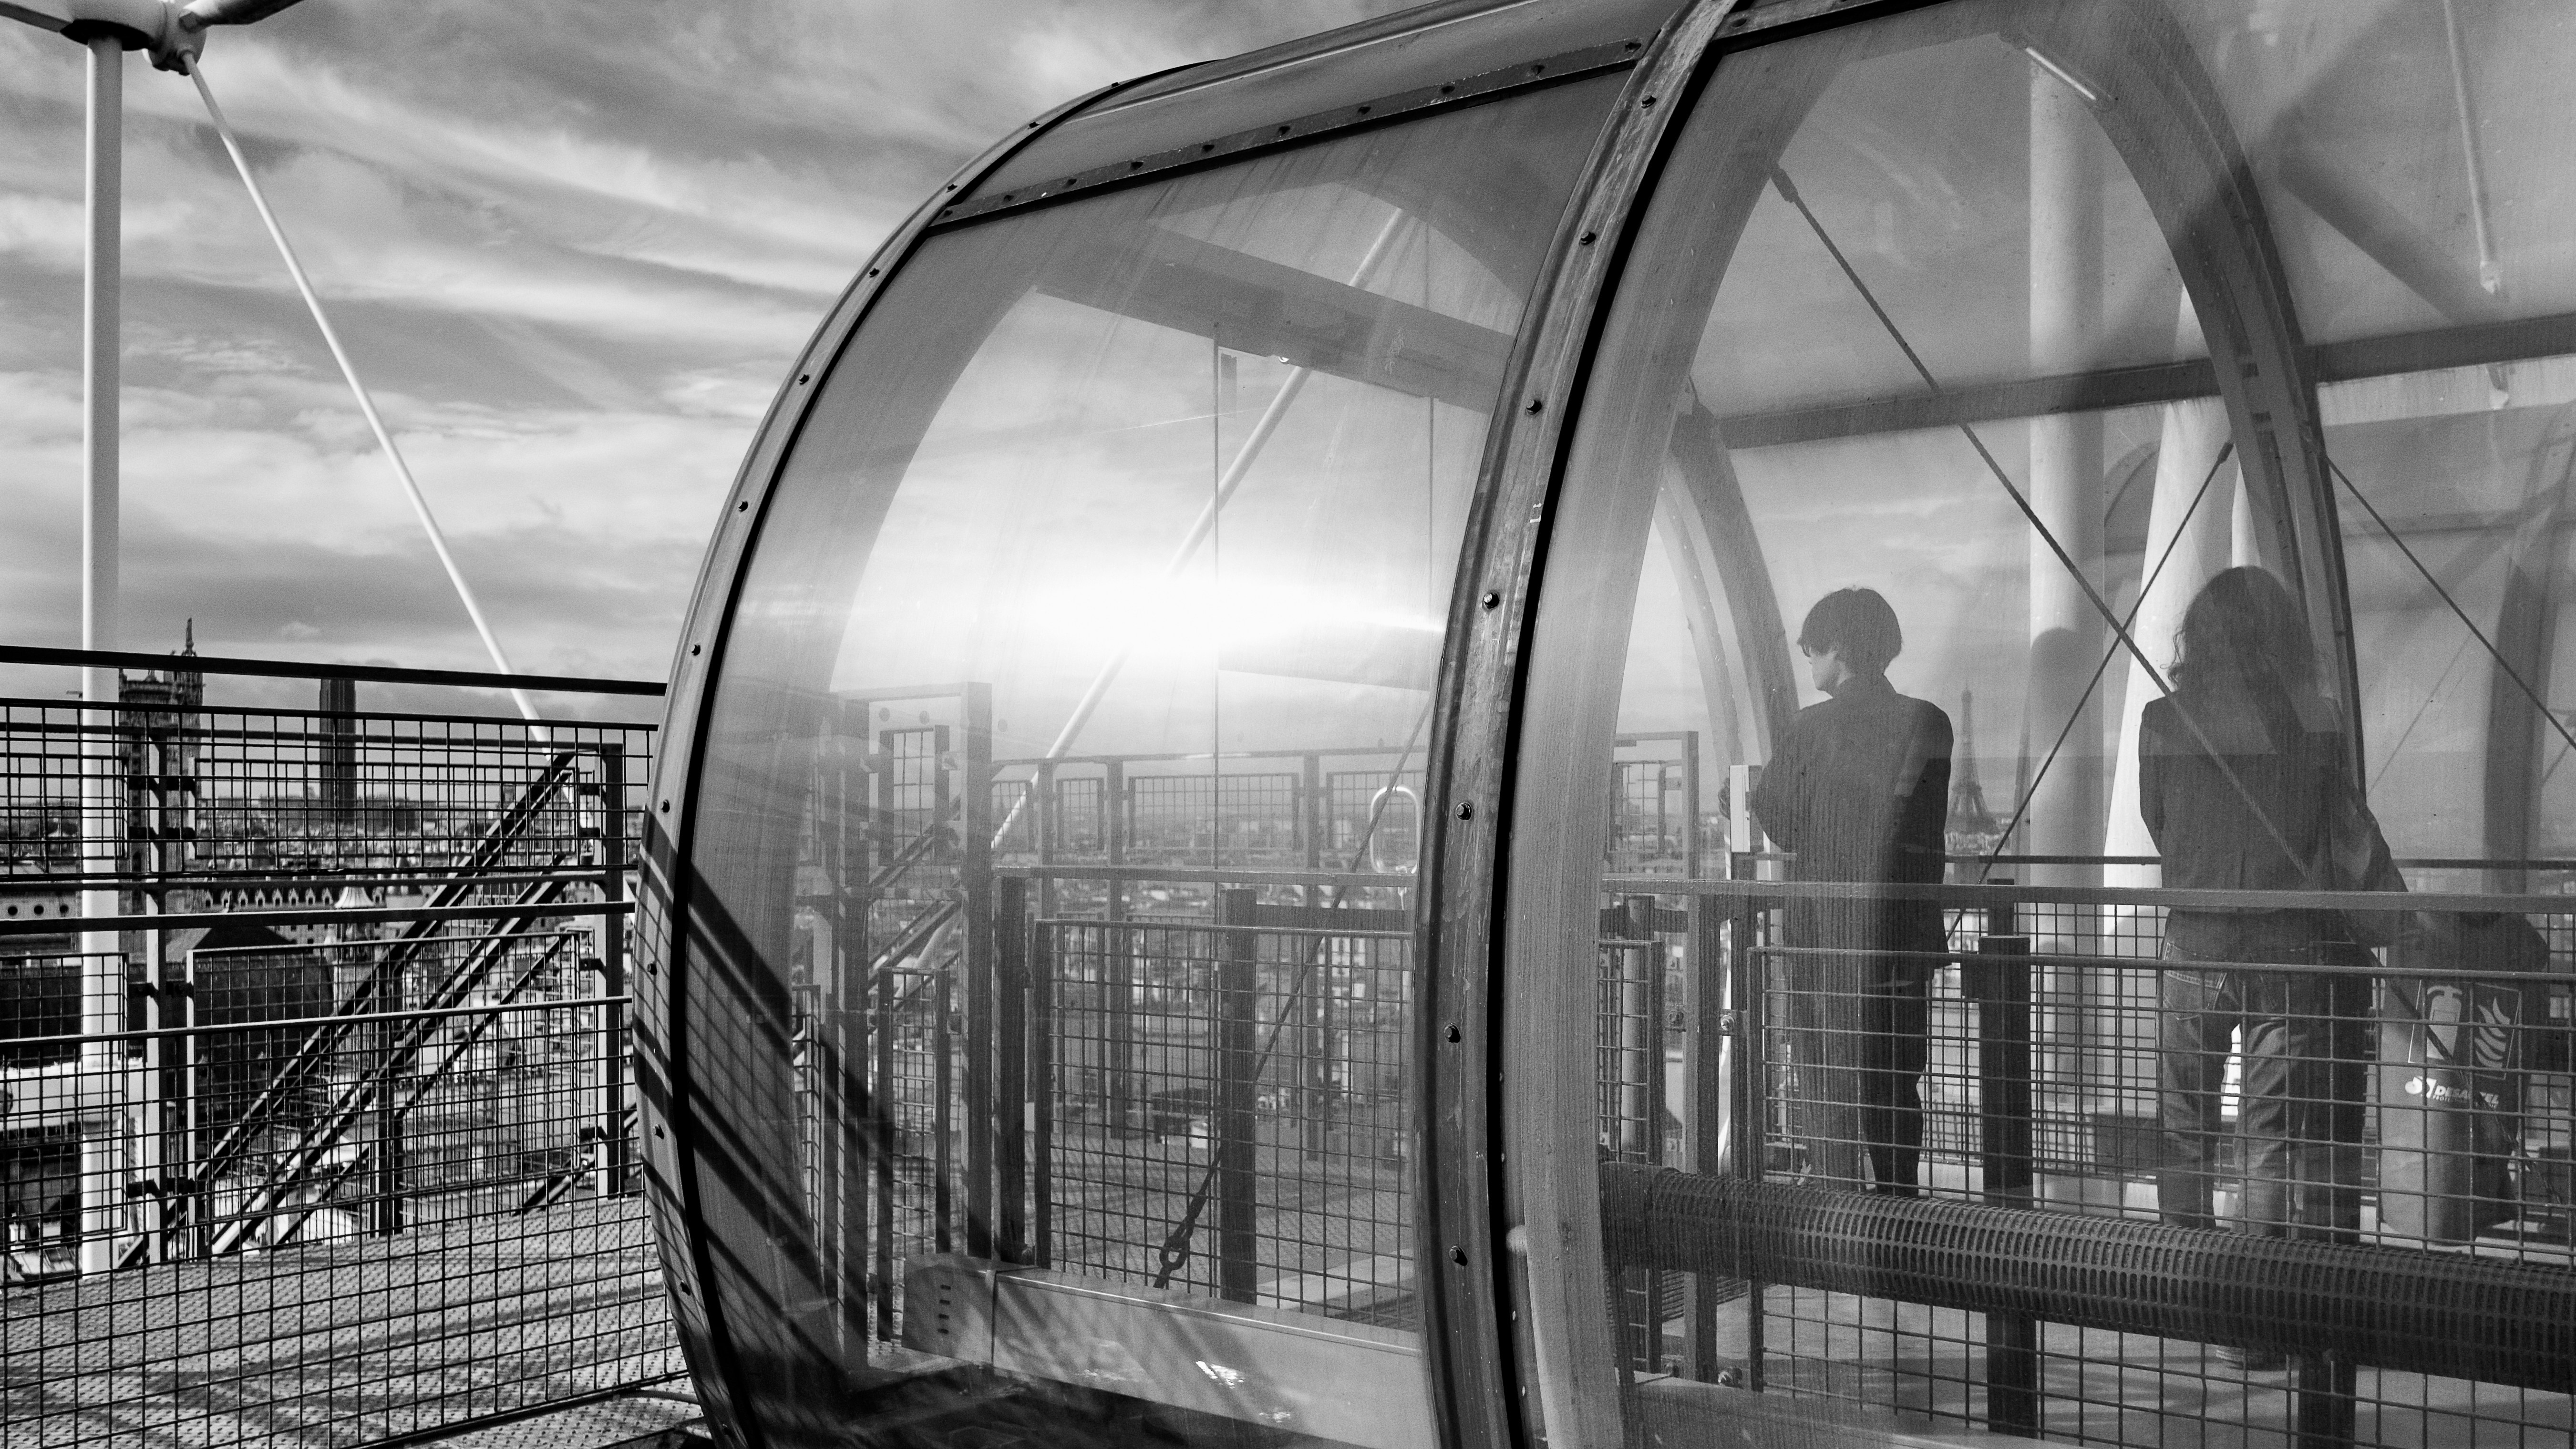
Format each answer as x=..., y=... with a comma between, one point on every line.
x=1859, y=788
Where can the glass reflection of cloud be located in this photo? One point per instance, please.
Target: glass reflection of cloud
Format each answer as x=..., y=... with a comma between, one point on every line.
x=1273, y=627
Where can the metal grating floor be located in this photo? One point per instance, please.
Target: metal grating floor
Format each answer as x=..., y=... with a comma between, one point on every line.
x=339, y=1345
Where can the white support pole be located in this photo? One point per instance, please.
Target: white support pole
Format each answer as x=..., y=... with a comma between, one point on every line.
x=366, y=403
x=2187, y=546
x=102, y=819
x=2067, y=632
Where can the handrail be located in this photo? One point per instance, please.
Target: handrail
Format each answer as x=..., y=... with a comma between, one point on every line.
x=2411, y=1310
x=221, y=1028
x=294, y=669
x=1205, y=875
x=216, y=880
x=2001, y=895
x=67, y=720
x=2107, y=962
x=370, y=916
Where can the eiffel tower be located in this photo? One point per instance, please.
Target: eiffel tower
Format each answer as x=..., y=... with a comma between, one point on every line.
x=1968, y=813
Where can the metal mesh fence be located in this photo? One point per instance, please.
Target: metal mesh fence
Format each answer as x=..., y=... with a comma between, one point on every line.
x=338, y=1226
x=1226, y=1112
x=268, y=1175
x=2414, y=1099
x=241, y=803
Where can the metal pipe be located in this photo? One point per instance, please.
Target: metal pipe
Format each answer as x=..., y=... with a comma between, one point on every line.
x=102, y=825
x=2490, y=271
x=366, y=403
x=2413, y=1311
x=2065, y=485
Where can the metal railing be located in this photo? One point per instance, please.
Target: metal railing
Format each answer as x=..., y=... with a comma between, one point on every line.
x=2421, y=1117
x=324, y=1130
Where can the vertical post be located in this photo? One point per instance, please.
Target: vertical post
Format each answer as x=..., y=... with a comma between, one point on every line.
x=2324, y=1413
x=1749, y=1122
x=147, y=1085
x=194, y=1241
x=1011, y=1063
x=1118, y=964
x=2065, y=471
x=1315, y=1002
x=882, y=1100
x=1043, y=803
x=1314, y=814
x=339, y=728
x=1642, y=1044
x=844, y=953
x=385, y=1198
x=102, y=823
x=1315, y=1090
x=1237, y=1147
x=608, y=947
x=1636, y=920
x=1042, y=959
x=1707, y=1053
x=1999, y=987
x=974, y=764
x=151, y=1094
x=1694, y=843
x=2065, y=491
x=943, y=1087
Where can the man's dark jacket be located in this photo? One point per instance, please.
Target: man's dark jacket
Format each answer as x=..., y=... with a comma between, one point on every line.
x=1860, y=789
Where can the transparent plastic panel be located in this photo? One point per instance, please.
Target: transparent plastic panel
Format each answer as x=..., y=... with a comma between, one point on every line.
x=1983, y=631
x=1057, y=822
x=2411, y=159
x=2412, y=153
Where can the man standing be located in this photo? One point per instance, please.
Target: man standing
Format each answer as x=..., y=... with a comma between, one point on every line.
x=1860, y=790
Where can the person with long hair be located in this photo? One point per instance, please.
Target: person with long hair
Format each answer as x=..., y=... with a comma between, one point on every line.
x=1860, y=788
x=2236, y=773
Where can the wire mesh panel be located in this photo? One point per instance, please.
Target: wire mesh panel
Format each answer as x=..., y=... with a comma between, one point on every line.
x=336, y=1225
x=2411, y=1098
x=240, y=802
x=279, y=1178
x=1226, y=1111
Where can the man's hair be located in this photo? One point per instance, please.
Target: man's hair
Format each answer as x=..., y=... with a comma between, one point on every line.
x=1859, y=623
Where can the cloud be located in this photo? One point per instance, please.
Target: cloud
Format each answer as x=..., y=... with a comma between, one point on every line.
x=573, y=249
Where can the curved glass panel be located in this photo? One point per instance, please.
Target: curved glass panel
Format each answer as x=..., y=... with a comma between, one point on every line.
x=1057, y=818
x=1958, y=947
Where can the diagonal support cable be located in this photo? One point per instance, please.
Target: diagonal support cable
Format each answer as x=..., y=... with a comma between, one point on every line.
x=324, y=1043
x=295, y=1166
x=366, y=403
x=312, y=1178
x=2101, y=606
x=2021, y=808
x=2475, y=632
x=1789, y=193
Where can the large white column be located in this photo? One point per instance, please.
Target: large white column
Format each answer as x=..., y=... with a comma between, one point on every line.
x=2066, y=631
x=2245, y=546
x=2191, y=532
x=102, y=786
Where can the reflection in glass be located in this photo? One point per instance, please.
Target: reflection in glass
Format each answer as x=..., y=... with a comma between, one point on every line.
x=1063, y=784
x=2035, y=320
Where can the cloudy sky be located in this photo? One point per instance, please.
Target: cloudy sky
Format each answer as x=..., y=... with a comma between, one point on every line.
x=572, y=248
